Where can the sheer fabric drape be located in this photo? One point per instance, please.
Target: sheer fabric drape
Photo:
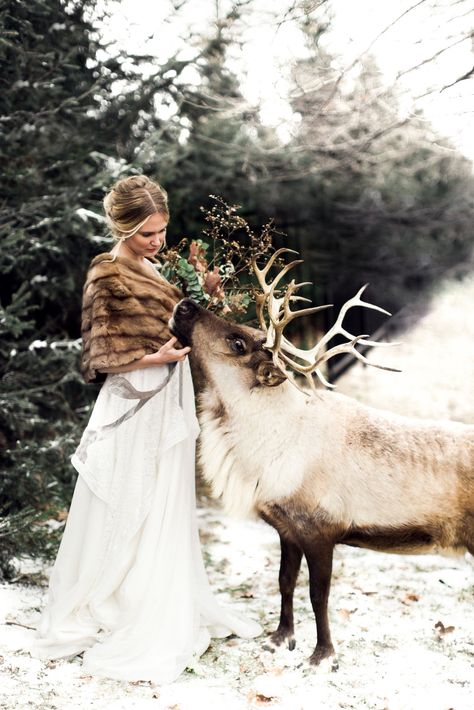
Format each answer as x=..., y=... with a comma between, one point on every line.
x=128, y=586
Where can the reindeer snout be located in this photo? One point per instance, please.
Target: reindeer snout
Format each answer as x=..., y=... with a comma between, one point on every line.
x=182, y=320
x=185, y=309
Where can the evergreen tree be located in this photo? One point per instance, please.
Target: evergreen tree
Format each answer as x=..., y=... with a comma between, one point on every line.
x=49, y=95
x=67, y=132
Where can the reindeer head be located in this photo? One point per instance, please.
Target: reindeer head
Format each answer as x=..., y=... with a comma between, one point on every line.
x=250, y=357
x=226, y=352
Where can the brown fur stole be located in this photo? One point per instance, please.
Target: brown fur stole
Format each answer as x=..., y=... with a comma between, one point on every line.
x=125, y=312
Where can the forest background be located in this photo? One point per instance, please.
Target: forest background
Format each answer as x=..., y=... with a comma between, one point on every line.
x=365, y=191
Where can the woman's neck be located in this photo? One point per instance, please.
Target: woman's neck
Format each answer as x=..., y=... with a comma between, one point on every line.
x=123, y=250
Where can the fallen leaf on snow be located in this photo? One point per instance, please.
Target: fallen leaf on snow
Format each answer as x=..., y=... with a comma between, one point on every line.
x=267, y=687
x=442, y=629
x=276, y=670
x=410, y=598
x=345, y=613
x=259, y=699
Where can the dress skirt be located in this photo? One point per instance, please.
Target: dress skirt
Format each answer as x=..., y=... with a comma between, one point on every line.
x=128, y=586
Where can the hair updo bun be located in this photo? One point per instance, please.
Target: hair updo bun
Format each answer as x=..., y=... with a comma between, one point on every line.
x=130, y=202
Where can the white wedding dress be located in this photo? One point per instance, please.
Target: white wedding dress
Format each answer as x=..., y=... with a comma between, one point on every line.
x=128, y=586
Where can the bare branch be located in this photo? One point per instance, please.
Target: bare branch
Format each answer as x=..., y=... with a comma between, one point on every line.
x=465, y=76
x=433, y=56
x=370, y=45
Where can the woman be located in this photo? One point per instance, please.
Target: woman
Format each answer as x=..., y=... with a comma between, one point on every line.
x=128, y=587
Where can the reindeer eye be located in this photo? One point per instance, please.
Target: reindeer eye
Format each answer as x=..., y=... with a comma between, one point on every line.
x=237, y=345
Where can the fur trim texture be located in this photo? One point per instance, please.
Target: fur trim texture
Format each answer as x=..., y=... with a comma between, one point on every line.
x=125, y=313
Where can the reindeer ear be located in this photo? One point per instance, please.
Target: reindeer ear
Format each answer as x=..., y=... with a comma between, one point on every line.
x=269, y=374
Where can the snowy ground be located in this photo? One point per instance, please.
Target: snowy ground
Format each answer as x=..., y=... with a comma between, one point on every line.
x=403, y=626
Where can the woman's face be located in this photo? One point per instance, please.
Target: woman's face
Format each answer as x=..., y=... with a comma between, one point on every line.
x=149, y=238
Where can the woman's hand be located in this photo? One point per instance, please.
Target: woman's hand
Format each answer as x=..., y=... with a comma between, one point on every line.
x=167, y=353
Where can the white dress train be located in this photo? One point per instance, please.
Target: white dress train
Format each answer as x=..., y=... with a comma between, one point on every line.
x=128, y=586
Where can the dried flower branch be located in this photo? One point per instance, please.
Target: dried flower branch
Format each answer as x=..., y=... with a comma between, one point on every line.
x=215, y=270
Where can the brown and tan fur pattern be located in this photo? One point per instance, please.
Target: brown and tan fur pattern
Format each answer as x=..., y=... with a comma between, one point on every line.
x=325, y=469
x=125, y=313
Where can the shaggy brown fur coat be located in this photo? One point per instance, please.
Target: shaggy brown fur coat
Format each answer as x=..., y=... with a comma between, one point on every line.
x=125, y=312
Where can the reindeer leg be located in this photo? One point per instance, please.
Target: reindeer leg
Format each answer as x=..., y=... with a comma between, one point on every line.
x=290, y=562
x=319, y=558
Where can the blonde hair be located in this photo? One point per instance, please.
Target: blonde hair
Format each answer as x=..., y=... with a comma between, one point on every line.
x=130, y=202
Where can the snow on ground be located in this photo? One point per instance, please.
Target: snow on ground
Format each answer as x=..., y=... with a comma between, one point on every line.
x=403, y=626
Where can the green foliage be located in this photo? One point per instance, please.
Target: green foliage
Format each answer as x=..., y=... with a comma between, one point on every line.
x=187, y=274
x=65, y=133
x=53, y=170
x=26, y=533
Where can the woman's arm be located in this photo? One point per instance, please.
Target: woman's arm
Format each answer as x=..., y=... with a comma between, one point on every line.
x=167, y=353
x=135, y=365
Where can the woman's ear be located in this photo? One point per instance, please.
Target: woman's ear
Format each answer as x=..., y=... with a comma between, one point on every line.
x=269, y=374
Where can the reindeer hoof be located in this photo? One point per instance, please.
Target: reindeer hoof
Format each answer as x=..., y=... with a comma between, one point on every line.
x=281, y=635
x=319, y=653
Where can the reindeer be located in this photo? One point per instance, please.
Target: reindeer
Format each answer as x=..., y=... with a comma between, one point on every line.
x=318, y=466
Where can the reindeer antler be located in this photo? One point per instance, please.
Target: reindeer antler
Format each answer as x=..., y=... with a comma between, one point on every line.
x=279, y=314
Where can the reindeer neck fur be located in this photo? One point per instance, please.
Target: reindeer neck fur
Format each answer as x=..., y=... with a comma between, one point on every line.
x=244, y=445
